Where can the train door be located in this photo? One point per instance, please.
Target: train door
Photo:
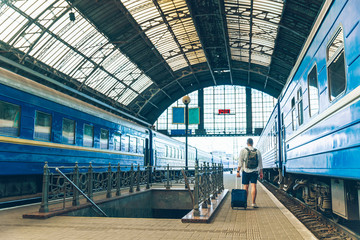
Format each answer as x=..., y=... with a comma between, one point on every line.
x=147, y=159
x=282, y=143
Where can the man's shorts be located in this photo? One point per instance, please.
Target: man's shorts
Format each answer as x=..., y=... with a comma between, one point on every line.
x=249, y=177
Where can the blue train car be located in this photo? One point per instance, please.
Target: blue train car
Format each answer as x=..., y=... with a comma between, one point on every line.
x=39, y=124
x=269, y=141
x=319, y=115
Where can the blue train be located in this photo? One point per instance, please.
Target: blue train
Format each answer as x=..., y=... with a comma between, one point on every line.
x=39, y=124
x=311, y=143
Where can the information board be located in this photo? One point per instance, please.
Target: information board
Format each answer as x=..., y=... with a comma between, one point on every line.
x=194, y=115
x=178, y=116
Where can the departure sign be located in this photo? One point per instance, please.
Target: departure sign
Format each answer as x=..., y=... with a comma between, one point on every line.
x=224, y=111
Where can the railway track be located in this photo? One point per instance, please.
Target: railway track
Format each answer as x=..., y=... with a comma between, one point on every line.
x=19, y=202
x=321, y=226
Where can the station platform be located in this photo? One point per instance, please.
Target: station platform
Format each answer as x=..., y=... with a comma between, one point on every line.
x=270, y=221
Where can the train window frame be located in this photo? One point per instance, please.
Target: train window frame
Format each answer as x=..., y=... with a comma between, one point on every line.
x=293, y=114
x=142, y=145
x=131, y=140
x=62, y=131
x=117, y=134
x=125, y=143
x=314, y=68
x=300, y=106
x=330, y=60
x=50, y=131
x=92, y=144
x=107, y=139
x=17, y=119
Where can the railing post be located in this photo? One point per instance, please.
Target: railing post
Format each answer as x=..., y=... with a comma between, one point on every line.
x=222, y=177
x=205, y=183
x=90, y=182
x=131, y=189
x=217, y=178
x=213, y=181
x=196, y=191
x=138, y=178
x=168, y=178
x=148, y=172
x=209, y=187
x=118, y=180
x=76, y=201
x=109, y=182
x=44, y=207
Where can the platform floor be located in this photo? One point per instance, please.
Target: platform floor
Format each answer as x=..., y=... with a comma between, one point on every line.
x=270, y=221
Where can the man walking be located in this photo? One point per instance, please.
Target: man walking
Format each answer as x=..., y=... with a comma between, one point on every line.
x=250, y=162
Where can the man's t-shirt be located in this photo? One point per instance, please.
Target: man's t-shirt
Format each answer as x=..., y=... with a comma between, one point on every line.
x=244, y=155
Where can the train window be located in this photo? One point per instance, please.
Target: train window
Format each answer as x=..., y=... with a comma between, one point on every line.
x=141, y=146
x=336, y=65
x=104, y=139
x=117, y=145
x=125, y=143
x=9, y=119
x=68, y=131
x=132, y=145
x=300, y=107
x=88, y=139
x=42, y=129
x=313, y=91
x=293, y=113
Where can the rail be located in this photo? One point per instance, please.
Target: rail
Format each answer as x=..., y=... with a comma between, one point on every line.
x=63, y=184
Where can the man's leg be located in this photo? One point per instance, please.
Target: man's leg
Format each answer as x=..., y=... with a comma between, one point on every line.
x=253, y=192
x=245, y=182
x=246, y=187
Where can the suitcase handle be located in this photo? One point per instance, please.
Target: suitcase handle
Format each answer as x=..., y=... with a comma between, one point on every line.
x=236, y=180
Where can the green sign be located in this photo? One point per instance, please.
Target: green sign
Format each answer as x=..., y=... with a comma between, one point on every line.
x=194, y=115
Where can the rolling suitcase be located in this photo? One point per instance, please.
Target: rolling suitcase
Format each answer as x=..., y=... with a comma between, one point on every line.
x=238, y=197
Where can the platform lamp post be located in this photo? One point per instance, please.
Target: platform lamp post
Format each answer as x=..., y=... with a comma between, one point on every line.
x=186, y=100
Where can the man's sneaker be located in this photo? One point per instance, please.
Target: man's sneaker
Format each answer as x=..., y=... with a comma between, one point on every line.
x=253, y=205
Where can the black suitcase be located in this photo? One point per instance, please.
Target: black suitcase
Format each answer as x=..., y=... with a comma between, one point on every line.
x=238, y=198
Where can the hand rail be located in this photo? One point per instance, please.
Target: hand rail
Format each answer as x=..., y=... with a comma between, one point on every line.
x=81, y=192
x=207, y=179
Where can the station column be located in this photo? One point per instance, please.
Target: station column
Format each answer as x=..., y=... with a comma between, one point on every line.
x=248, y=111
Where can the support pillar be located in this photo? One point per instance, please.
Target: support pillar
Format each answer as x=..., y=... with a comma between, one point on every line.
x=248, y=111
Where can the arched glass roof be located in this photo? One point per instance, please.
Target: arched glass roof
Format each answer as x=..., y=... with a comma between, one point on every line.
x=253, y=27
x=42, y=29
x=170, y=28
x=142, y=55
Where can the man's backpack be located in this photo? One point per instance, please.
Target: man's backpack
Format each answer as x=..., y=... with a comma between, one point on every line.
x=252, y=160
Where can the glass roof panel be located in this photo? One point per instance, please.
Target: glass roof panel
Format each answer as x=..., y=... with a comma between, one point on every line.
x=178, y=18
x=32, y=8
x=265, y=19
x=43, y=30
x=11, y=22
x=142, y=83
x=127, y=97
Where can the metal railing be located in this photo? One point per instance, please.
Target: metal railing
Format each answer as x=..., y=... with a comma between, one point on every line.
x=63, y=184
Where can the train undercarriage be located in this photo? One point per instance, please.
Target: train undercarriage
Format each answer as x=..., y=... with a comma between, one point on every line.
x=339, y=198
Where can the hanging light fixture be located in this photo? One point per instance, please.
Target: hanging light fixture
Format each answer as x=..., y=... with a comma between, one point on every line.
x=72, y=16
